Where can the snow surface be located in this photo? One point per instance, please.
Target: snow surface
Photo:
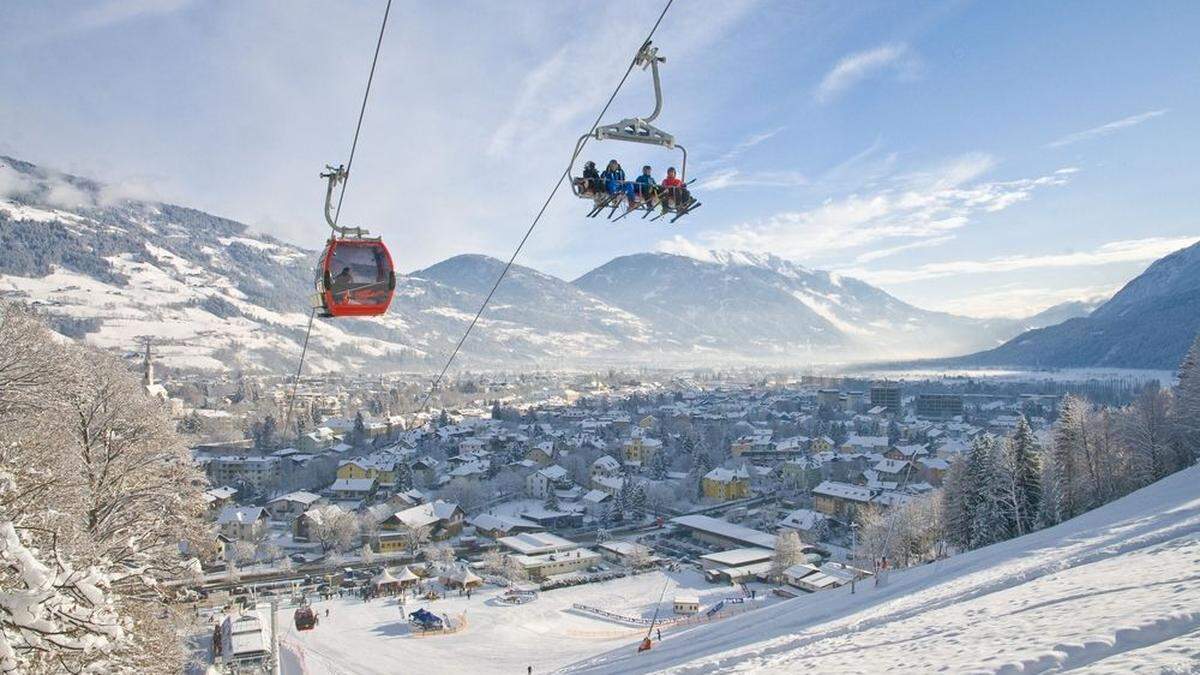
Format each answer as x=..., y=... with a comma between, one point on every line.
x=1115, y=590
x=364, y=638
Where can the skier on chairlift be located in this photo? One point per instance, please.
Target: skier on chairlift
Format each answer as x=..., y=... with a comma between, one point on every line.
x=675, y=190
x=615, y=183
x=647, y=186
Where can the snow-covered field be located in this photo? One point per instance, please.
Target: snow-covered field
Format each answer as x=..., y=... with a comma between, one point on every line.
x=1115, y=590
x=362, y=638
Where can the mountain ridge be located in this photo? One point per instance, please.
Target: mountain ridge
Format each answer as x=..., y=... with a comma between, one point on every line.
x=217, y=295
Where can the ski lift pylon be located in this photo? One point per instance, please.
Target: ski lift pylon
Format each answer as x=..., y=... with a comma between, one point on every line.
x=355, y=275
x=636, y=130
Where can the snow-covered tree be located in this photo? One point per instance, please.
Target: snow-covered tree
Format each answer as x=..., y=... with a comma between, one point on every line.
x=1022, y=471
x=439, y=554
x=551, y=503
x=97, y=495
x=1186, y=410
x=404, y=476
x=988, y=517
x=956, y=512
x=334, y=528
x=415, y=537
x=1061, y=478
x=638, y=501
x=789, y=551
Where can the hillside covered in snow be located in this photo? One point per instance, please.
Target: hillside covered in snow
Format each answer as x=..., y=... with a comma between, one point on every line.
x=216, y=295
x=1114, y=590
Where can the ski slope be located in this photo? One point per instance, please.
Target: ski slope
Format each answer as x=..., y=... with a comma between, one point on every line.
x=1115, y=590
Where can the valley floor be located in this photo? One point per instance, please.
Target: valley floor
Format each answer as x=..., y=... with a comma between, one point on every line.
x=363, y=638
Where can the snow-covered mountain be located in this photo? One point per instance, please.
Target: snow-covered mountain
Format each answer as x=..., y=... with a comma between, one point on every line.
x=1148, y=324
x=737, y=300
x=216, y=295
x=1112, y=591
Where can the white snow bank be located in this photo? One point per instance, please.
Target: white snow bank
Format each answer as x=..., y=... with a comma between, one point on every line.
x=1115, y=590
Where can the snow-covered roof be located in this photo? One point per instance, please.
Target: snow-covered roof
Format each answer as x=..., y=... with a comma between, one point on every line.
x=728, y=530
x=738, y=556
x=803, y=519
x=352, y=485
x=535, y=543
x=240, y=514
x=832, y=488
x=723, y=475
x=299, y=496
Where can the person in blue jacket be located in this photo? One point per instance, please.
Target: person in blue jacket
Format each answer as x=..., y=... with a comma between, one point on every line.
x=615, y=183
x=647, y=186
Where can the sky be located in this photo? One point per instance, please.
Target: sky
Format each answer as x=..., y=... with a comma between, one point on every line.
x=988, y=159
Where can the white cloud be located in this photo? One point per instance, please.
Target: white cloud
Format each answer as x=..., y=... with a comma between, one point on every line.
x=857, y=67
x=921, y=206
x=1106, y=129
x=879, y=253
x=729, y=178
x=739, y=148
x=1016, y=300
x=1124, y=251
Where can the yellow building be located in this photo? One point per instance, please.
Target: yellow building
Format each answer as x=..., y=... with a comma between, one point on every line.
x=726, y=484
x=641, y=449
x=383, y=472
x=821, y=444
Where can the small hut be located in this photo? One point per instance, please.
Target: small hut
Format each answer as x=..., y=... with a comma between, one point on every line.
x=384, y=582
x=687, y=604
x=460, y=577
x=406, y=578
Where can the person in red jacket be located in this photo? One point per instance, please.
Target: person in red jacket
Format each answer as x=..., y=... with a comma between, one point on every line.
x=675, y=190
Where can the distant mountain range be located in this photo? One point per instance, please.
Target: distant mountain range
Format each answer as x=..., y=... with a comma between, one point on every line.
x=1150, y=323
x=215, y=295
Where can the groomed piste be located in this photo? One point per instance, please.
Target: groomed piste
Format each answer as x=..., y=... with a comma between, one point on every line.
x=1114, y=590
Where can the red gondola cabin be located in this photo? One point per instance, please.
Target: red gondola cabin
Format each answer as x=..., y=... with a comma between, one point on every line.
x=355, y=278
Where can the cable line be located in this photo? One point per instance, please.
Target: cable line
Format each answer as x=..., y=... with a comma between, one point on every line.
x=537, y=218
x=362, y=110
x=341, y=195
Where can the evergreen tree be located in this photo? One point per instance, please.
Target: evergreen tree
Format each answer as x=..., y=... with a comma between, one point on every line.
x=658, y=465
x=1187, y=406
x=264, y=433
x=1061, y=478
x=404, y=476
x=989, y=520
x=551, y=503
x=954, y=504
x=359, y=435
x=893, y=432
x=637, y=502
x=1024, y=478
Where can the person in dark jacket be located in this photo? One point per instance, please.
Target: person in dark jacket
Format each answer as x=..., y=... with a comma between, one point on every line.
x=615, y=183
x=647, y=186
x=591, y=178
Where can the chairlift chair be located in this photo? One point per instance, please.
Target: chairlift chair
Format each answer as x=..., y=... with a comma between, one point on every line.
x=637, y=130
x=355, y=275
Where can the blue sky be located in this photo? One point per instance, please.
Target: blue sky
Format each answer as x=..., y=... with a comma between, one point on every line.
x=982, y=158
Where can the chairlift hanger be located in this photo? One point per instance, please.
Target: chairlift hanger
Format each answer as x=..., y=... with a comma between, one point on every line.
x=635, y=130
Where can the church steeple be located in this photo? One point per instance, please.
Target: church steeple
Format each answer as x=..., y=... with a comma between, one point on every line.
x=147, y=366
